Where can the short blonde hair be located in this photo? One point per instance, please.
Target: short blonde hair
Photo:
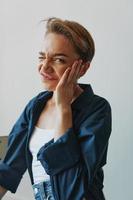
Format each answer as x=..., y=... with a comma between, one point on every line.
x=78, y=35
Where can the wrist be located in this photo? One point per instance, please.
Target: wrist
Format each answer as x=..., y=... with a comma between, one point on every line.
x=64, y=109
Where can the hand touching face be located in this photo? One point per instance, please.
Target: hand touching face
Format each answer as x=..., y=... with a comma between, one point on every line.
x=65, y=88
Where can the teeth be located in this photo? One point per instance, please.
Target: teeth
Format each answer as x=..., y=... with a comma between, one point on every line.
x=48, y=76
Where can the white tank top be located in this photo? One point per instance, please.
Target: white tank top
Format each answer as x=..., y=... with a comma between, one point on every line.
x=38, y=139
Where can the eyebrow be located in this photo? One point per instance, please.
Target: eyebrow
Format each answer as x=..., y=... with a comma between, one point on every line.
x=54, y=55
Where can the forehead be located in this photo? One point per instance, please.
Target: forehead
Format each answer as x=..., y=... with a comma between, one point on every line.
x=57, y=43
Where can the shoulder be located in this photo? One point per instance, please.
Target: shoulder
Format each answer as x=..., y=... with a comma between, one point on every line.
x=97, y=108
x=90, y=101
x=97, y=113
x=36, y=98
x=101, y=102
x=33, y=101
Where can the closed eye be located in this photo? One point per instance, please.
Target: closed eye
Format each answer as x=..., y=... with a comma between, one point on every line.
x=41, y=58
x=59, y=60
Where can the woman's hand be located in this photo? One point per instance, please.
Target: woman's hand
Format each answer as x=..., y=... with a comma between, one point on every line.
x=64, y=91
x=63, y=96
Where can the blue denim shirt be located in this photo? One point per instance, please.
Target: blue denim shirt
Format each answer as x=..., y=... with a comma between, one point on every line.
x=75, y=160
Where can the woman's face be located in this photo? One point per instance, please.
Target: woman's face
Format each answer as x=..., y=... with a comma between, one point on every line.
x=57, y=54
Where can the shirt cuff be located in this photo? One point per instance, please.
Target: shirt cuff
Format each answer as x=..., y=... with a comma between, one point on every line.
x=9, y=178
x=61, y=154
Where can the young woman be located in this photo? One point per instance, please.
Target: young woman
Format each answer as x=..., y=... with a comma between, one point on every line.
x=62, y=135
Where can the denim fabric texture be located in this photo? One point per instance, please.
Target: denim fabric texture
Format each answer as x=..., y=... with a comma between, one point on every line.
x=74, y=161
x=43, y=191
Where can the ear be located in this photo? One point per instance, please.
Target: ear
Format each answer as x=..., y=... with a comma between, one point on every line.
x=84, y=68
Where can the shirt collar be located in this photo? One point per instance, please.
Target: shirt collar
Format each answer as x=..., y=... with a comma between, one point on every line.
x=81, y=101
x=84, y=98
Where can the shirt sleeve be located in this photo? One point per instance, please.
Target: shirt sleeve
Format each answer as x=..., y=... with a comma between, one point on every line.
x=90, y=141
x=13, y=165
x=94, y=135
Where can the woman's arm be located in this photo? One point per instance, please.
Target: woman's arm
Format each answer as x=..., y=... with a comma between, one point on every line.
x=2, y=192
x=90, y=141
x=63, y=96
x=64, y=121
x=13, y=166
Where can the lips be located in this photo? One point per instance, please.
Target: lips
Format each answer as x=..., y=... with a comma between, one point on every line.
x=47, y=76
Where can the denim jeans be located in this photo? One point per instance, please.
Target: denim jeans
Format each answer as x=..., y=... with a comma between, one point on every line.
x=43, y=191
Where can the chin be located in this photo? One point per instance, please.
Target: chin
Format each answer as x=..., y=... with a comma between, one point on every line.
x=49, y=88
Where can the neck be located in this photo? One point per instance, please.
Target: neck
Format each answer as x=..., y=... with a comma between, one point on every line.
x=77, y=92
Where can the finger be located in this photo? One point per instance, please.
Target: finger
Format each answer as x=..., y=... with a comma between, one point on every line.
x=71, y=74
x=64, y=77
x=79, y=68
x=74, y=71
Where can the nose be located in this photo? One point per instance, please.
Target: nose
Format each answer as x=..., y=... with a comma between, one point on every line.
x=46, y=63
x=45, y=66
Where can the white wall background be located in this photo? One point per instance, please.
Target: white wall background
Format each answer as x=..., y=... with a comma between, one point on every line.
x=110, y=23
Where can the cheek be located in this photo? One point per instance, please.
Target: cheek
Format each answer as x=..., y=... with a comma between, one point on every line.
x=39, y=67
x=59, y=71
